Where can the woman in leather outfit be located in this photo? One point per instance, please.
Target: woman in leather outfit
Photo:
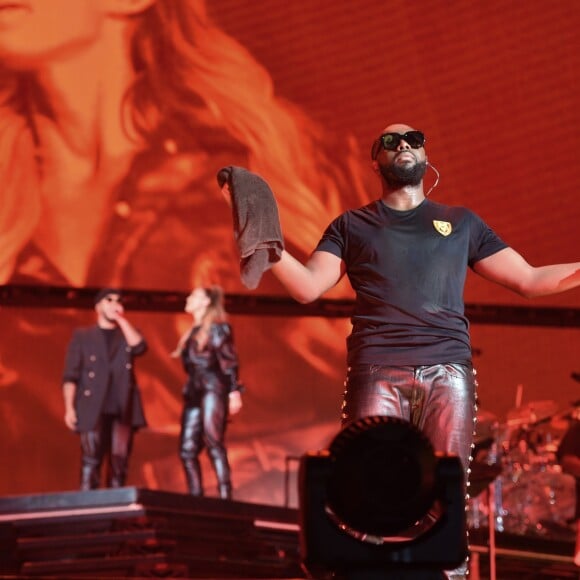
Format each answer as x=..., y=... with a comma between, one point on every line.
x=212, y=390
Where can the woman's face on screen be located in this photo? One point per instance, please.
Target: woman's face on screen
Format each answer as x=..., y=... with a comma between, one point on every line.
x=34, y=32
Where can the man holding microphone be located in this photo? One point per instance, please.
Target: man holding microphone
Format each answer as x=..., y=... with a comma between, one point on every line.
x=101, y=396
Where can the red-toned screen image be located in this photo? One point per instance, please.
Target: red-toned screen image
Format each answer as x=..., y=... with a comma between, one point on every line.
x=115, y=118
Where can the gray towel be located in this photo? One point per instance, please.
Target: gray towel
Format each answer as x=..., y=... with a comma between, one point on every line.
x=257, y=228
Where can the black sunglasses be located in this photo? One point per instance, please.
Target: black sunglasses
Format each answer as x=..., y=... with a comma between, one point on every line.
x=112, y=298
x=390, y=141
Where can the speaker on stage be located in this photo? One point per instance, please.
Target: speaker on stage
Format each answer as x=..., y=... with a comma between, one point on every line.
x=379, y=503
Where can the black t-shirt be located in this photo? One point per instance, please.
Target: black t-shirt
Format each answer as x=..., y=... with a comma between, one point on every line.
x=111, y=403
x=408, y=270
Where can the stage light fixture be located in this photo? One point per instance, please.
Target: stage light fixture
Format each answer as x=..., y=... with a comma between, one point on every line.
x=380, y=503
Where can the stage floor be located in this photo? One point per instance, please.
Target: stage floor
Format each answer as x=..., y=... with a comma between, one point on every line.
x=132, y=532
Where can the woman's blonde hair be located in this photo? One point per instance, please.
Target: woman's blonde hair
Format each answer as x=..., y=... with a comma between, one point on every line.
x=190, y=76
x=215, y=311
x=188, y=66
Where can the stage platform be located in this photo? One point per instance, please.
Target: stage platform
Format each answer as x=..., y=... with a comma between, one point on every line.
x=141, y=533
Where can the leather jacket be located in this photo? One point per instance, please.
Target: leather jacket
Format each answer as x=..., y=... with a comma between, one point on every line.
x=214, y=368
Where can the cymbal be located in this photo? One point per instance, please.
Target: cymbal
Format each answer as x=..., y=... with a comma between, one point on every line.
x=560, y=423
x=484, y=416
x=532, y=413
x=485, y=427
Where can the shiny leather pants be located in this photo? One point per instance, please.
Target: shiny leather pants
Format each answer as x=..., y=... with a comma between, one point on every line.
x=437, y=399
x=440, y=400
x=111, y=439
x=204, y=426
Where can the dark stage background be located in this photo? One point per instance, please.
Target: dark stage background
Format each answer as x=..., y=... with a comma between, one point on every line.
x=495, y=87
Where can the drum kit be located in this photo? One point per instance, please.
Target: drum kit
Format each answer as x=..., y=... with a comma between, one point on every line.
x=516, y=464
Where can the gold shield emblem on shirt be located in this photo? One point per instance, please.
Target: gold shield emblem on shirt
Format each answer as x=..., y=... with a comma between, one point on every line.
x=444, y=228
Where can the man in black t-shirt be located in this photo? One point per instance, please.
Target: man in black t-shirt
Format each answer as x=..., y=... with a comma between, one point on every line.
x=101, y=396
x=406, y=257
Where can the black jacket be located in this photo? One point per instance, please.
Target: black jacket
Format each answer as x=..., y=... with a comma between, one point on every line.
x=215, y=368
x=89, y=365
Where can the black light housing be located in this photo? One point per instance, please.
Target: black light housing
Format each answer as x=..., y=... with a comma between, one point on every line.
x=380, y=503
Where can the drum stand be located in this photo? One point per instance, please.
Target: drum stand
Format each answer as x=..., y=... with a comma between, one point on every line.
x=484, y=479
x=491, y=499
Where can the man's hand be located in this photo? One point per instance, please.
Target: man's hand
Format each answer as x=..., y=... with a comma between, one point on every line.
x=70, y=415
x=117, y=313
x=70, y=418
x=131, y=334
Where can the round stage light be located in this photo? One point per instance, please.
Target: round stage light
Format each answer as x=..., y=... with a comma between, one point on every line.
x=382, y=477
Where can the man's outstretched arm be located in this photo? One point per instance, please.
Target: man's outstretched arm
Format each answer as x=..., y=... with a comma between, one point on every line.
x=511, y=270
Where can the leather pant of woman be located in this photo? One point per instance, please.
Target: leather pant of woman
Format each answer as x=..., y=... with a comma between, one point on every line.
x=440, y=400
x=202, y=426
x=110, y=438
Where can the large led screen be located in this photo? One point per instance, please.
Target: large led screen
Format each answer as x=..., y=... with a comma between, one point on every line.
x=115, y=119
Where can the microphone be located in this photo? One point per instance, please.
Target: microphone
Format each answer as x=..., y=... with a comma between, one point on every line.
x=437, y=176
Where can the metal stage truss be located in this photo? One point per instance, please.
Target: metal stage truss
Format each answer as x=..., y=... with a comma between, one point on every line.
x=29, y=296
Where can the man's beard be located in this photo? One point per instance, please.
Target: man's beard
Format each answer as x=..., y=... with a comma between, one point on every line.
x=400, y=175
